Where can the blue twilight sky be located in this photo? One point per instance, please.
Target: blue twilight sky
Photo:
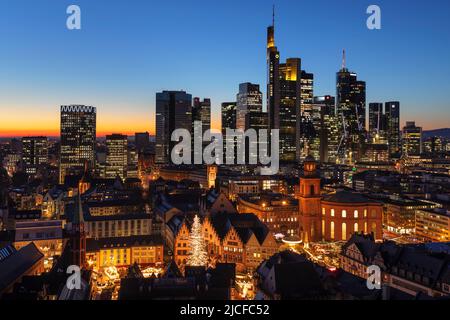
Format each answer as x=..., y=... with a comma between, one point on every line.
x=129, y=49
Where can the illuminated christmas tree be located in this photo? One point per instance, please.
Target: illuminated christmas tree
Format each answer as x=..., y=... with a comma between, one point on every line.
x=198, y=256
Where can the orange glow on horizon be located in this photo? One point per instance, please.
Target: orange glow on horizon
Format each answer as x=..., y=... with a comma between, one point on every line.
x=10, y=129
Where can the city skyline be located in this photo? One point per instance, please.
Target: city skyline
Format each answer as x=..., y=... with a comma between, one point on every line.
x=120, y=75
x=326, y=176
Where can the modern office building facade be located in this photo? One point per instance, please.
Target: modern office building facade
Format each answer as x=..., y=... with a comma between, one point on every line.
x=78, y=134
x=392, y=114
x=249, y=100
x=173, y=111
x=377, y=121
x=201, y=111
x=141, y=141
x=329, y=129
x=412, y=139
x=228, y=113
x=351, y=112
x=308, y=133
x=34, y=153
x=116, y=156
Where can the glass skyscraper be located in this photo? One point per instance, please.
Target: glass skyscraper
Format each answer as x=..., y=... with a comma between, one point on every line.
x=392, y=114
x=78, y=134
x=351, y=112
x=173, y=111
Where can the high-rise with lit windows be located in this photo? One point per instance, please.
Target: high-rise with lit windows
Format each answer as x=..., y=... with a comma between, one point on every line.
x=329, y=129
x=228, y=113
x=308, y=140
x=34, y=153
x=78, y=134
x=377, y=121
x=392, y=114
x=249, y=100
x=412, y=139
x=116, y=156
x=351, y=112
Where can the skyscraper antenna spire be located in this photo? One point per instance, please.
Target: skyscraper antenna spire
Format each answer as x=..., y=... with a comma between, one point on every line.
x=273, y=15
x=343, y=59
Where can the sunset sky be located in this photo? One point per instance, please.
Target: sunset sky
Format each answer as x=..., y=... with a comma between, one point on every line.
x=126, y=51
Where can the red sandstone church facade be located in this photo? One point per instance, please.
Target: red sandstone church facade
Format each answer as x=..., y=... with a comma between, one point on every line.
x=337, y=216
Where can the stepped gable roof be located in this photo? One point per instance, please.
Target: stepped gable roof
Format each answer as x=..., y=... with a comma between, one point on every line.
x=245, y=225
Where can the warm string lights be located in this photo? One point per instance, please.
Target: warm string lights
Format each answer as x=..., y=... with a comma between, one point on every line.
x=199, y=256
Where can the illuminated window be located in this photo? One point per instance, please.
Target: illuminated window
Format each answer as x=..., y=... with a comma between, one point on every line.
x=374, y=227
x=365, y=213
x=323, y=227
x=332, y=230
x=355, y=227
x=355, y=214
x=323, y=211
x=344, y=214
x=344, y=231
x=332, y=212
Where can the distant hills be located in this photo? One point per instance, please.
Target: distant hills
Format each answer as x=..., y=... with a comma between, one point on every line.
x=443, y=133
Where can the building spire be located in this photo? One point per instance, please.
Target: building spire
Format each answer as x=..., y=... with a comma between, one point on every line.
x=343, y=60
x=271, y=31
x=273, y=15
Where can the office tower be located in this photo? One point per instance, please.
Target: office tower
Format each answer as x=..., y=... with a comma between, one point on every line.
x=116, y=156
x=329, y=128
x=34, y=153
x=132, y=163
x=273, y=84
x=377, y=121
x=284, y=98
x=289, y=108
x=433, y=146
x=78, y=133
x=228, y=112
x=392, y=114
x=201, y=111
x=248, y=100
x=173, y=111
x=141, y=141
x=351, y=110
x=412, y=139
x=258, y=121
x=310, y=120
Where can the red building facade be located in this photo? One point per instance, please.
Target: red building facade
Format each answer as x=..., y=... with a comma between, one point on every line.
x=334, y=217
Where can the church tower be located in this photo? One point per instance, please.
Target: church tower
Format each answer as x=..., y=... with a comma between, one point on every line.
x=85, y=182
x=77, y=235
x=309, y=202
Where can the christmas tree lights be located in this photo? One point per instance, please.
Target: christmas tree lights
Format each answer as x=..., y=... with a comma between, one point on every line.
x=198, y=255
